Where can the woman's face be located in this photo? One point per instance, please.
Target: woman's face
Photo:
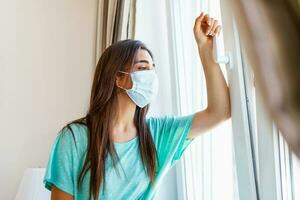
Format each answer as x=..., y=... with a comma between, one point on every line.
x=143, y=62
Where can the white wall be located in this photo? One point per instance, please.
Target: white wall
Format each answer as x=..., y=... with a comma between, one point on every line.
x=151, y=28
x=46, y=65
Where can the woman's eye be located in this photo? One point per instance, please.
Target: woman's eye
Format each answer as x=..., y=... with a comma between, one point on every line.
x=142, y=67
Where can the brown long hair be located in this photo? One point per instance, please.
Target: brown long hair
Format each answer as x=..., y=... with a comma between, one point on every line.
x=102, y=110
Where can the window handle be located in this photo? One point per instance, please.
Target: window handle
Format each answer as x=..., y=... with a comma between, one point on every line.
x=220, y=56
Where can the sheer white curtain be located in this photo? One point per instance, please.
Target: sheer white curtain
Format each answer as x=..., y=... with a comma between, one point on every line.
x=207, y=169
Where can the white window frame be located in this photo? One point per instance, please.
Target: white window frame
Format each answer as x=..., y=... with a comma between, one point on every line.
x=262, y=159
x=271, y=158
x=245, y=173
x=243, y=145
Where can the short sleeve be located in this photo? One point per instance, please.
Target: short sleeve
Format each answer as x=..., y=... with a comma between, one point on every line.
x=170, y=136
x=59, y=170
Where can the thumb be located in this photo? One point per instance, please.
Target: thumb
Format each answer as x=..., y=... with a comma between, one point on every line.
x=199, y=19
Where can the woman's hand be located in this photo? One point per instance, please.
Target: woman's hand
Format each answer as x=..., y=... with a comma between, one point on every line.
x=204, y=29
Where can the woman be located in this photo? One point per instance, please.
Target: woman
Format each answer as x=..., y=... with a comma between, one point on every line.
x=115, y=152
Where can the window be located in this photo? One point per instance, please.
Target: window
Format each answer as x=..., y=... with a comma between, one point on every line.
x=244, y=158
x=276, y=168
x=207, y=169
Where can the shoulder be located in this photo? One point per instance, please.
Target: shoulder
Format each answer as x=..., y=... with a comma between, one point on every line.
x=65, y=157
x=155, y=121
x=73, y=136
x=168, y=120
x=165, y=124
x=158, y=124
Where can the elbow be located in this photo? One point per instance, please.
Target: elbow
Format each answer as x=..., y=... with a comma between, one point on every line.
x=226, y=111
x=221, y=110
x=227, y=114
x=221, y=114
x=224, y=114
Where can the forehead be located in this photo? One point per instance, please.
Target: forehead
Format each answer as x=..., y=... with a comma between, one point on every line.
x=143, y=55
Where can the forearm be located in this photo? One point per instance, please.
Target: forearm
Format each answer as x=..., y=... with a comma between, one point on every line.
x=218, y=100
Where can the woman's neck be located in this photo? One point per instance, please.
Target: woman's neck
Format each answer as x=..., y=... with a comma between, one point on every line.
x=123, y=127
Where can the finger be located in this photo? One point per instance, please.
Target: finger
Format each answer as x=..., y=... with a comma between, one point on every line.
x=199, y=20
x=218, y=30
x=209, y=29
x=213, y=29
x=207, y=19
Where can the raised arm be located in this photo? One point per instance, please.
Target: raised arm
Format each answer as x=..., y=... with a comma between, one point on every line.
x=218, y=108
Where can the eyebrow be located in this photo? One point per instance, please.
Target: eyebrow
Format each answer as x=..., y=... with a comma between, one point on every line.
x=143, y=61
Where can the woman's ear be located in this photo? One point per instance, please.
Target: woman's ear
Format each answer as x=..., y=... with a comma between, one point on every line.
x=123, y=81
x=117, y=81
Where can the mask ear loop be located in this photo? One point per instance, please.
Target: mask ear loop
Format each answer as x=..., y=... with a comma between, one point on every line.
x=121, y=86
x=123, y=72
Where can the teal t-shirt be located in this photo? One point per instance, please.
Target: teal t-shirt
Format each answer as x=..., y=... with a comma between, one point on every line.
x=67, y=156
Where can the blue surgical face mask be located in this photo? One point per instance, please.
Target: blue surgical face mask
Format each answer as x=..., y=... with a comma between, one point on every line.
x=144, y=87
